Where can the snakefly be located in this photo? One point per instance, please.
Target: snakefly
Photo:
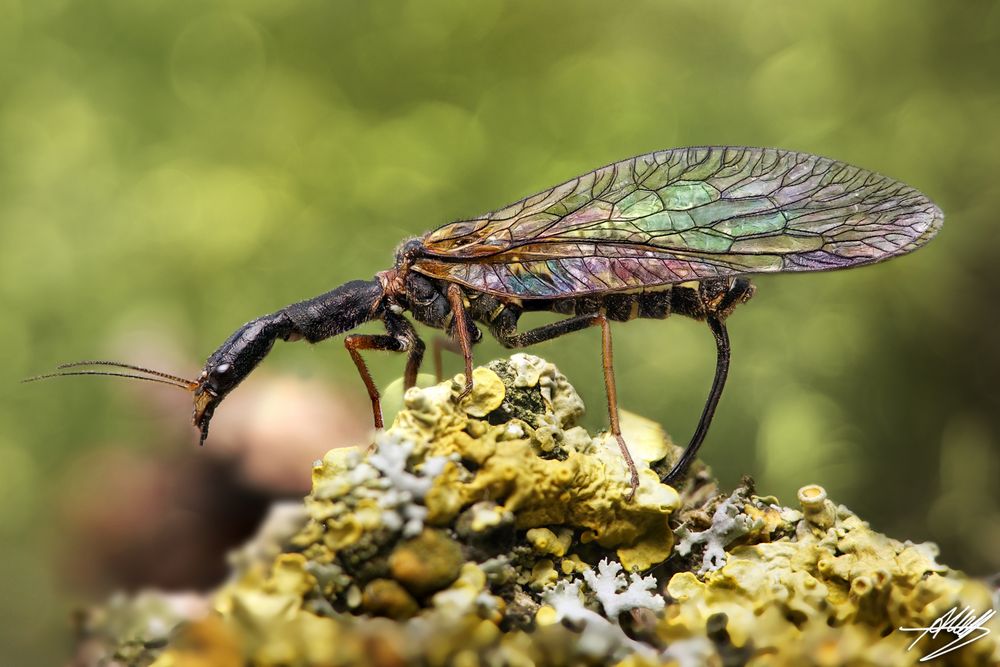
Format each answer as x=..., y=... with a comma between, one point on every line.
x=671, y=232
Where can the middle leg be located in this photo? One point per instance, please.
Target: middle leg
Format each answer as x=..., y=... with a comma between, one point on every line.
x=460, y=326
x=441, y=344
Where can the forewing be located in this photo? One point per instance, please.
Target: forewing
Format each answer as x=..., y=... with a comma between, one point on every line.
x=684, y=214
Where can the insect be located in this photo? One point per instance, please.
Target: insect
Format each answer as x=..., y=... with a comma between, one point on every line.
x=674, y=232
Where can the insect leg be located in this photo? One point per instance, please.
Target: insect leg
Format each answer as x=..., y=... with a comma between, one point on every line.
x=679, y=471
x=504, y=329
x=461, y=333
x=607, y=359
x=440, y=344
x=402, y=337
x=402, y=329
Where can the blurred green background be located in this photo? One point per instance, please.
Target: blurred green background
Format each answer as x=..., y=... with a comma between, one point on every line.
x=172, y=168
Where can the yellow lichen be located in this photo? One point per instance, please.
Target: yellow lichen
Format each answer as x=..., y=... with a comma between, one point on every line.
x=834, y=593
x=386, y=597
x=543, y=575
x=586, y=488
x=818, y=511
x=426, y=563
x=547, y=542
x=487, y=393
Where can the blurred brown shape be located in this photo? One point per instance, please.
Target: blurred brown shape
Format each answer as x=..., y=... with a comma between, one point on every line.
x=165, y=515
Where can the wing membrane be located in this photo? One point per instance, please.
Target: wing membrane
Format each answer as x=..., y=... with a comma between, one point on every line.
x=684, y=214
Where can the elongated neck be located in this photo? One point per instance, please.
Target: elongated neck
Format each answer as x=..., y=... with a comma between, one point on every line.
x=335, y=312
x=338, y=311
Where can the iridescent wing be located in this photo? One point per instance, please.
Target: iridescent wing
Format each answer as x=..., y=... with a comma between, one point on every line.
x=683, y=214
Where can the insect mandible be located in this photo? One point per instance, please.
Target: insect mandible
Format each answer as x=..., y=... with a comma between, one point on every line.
x=671, y=232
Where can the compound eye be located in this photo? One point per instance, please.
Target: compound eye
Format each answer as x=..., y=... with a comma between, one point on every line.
x=217, y=377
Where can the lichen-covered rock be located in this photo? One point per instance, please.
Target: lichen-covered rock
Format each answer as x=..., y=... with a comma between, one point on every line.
x=495, y=530
x=502, y=483
x=835, y=592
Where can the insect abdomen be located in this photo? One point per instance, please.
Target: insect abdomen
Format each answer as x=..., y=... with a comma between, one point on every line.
x=682, y=299
x=654, y=304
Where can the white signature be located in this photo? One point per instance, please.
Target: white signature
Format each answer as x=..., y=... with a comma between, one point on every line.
x=959, y=623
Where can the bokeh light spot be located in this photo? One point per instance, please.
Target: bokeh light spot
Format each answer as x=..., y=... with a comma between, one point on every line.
x=801, y=440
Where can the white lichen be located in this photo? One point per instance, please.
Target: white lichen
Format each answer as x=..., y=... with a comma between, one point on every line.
x=729, y=523
x=607, y=584
x=602, y=635
x=414, y=515
x=404, y=490
x=693, y=652
x=599, y=636
x=391, y=458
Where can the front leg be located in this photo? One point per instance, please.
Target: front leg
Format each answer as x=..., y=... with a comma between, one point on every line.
x=402, y=337
x=505, y=329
